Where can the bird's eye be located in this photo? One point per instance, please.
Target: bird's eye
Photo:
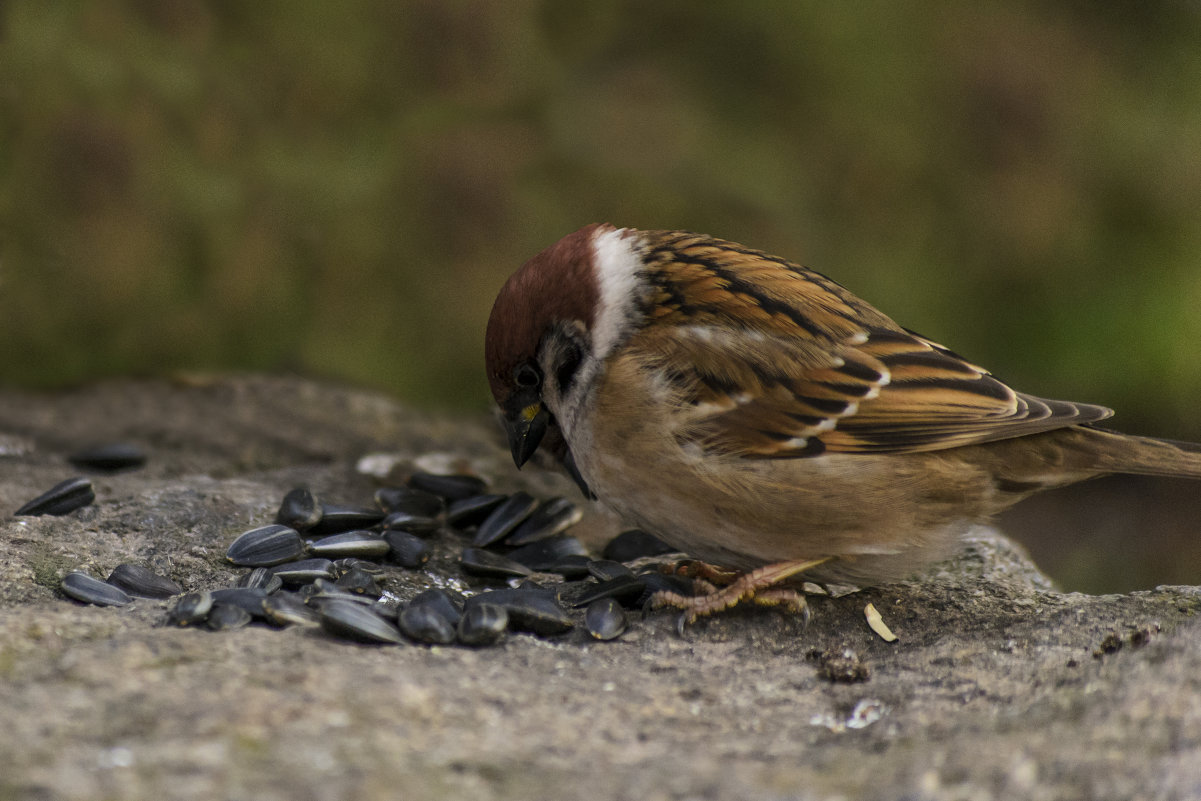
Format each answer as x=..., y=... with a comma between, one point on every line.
x=527, y=375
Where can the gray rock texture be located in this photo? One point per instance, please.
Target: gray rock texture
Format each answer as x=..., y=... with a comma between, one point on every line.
x=998, y=686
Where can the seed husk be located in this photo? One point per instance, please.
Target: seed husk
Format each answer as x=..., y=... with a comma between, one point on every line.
x=504, y=518
x=357, y=622
x=449, y=487
x=223, y=617
x=142, y=582
x=109, y=458
x=299, y=510
x=359, y=544
x=61, y=499
x=266, y=546
x=478, y=562
x=91, y=590
x=626, y=590
x=483, y=624
x=605, y=619
x=261, y=578
x=472, y=511
x=550, y=518
x=190, y=609
x=335, y=519
x=572, y=566
x=635, y=544
x=425, y=623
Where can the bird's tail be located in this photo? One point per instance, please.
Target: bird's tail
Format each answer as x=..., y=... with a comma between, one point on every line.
x=1112, y=452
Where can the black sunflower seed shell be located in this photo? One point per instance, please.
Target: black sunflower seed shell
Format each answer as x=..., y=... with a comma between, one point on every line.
x=61, y=499
x=266, y=546
x=535, y=611
x=261, y=578
x=335, y=519
x=305, y=571
x=191, y=608
x=110, y=457
x=407, y=499
x=449, y=487
x=483, y=624
x=545, y=554
x=299, y=510
x=426, y=623
x=223, y=617
x=408, y=550
x=552, y=517
x=605, y=569
x=626, y=590
x=91, y=590
x=249, y=599
x=635, y=544
x=504, y=518
x=422, y=525
x=449, y=606
x=360, y=544
x=472, y=511
x=478, y=562
x=142, y=582
x=357, y=622
x=605, y=619
x=288, y=608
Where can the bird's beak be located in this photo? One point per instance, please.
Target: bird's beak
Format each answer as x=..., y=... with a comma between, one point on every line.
x=525, y=423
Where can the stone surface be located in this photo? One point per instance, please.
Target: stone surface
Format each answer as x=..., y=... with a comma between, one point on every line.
x=992, y=690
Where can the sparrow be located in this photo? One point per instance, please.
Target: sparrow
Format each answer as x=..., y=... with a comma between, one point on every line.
x=759, y=417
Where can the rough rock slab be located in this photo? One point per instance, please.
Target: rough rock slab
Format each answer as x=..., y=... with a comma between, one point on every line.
x=992, y=691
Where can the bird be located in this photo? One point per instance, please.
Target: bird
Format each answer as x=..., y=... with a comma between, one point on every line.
x=762, y=419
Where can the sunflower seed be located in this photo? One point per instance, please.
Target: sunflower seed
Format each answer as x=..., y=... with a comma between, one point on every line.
x=91, y=590
x=412, y=522
x=545, y=554
x=552, y=517
x=504, y=518
x=357, y=622
x=635, y=544
x=306, y=571
x=287, y=608
x=572, y=566
x=425, y=623
x=142, y=582
x=605, y=619
x=449, y=606
x=336, y=519
x=358, y=581
x=407, y=499
x=536, y=611
x=450, y=487
x=261, y=578
x=266, y=546
x=248, y=598
x=191, y=608
x=360, y=544
x=605, y=569
x=483, y=624
x=408, y=550
x=627, y=590
x=227, y=616
x=109, y=458
x=299, y=510
x=61, y=499
x=478, y=562
x=472, y=511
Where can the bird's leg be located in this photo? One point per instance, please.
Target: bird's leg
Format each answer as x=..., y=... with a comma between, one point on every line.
x=758, y=586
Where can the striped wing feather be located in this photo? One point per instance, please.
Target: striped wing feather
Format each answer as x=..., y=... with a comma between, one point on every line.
x=771, y=360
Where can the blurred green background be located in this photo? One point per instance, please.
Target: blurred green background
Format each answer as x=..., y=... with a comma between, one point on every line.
x=339, y=189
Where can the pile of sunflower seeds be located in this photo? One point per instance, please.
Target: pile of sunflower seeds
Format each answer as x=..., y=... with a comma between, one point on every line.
x=322, y=565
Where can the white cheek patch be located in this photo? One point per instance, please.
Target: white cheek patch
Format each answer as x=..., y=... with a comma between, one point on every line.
x=617, y=267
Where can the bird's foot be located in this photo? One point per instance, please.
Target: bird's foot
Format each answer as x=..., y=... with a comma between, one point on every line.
x=756, y=586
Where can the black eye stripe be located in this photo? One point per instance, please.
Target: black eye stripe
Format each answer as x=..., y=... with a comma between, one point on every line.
x=568, y=365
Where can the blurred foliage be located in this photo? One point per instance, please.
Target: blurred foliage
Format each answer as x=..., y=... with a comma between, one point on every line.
x=340, y=188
